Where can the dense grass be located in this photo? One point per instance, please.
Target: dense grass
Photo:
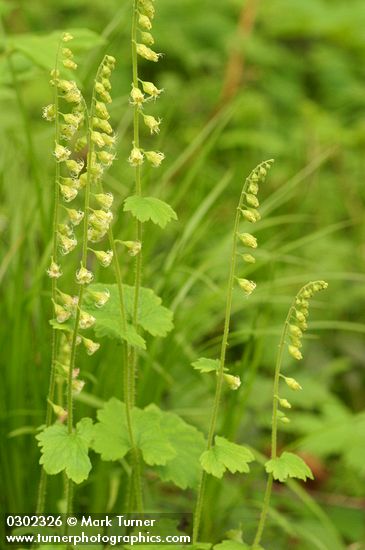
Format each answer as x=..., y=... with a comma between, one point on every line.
x=302, y=102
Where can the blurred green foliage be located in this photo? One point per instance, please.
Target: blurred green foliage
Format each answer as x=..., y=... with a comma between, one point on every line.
x=302, y=102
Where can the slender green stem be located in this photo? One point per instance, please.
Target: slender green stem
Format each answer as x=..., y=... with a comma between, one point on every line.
x=220, y=374
x=274, y=431
x=54, y=346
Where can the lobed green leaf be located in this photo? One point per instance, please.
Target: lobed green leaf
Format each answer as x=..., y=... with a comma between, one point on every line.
x=225, y=455
x=152, y=316
x=204, y=365
x=62, y=451
x=150, y=208
x=111, y=437
x=188, y=443
x=288, y=465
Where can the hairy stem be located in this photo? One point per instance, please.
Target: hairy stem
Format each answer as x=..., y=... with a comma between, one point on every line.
x=220, y=374
x=136, y=468
x=131, y=355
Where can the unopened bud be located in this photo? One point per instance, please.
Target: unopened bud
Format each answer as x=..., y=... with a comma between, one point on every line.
x=295, y=352
x=147, y=38
x=284, y=403
x=144, y=22
x=248, y=240
x=233, y=382
x=248, y=258
x=292, y=383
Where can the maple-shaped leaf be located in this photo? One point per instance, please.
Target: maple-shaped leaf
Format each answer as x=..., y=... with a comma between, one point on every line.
x=63, y=451
x=288, y=465
x=112, y=440
x=225, y=455
x=204, y=365
x=184, y=468
x=150, y=208
x=152, y=316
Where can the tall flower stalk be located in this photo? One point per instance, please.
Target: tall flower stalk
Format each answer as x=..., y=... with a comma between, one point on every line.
x=294, y=326
x=246, y=210
x=141, y=93
x=62, y=235
x=69, y=315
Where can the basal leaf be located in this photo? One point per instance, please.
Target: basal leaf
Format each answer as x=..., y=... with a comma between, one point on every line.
x=151, y=438
x=111, y=436
x=184, y=468
x=206, y=365
x=288, y=465
x=152, y=316
x=150, y=208
x=225, y=455
x=68, y=452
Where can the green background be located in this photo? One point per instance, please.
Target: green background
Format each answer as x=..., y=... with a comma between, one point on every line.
x=301, y=101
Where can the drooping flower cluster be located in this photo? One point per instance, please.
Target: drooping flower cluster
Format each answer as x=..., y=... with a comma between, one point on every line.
x=248, y=206
x=299, y=315
x=143, y=91
x=296, y=326
x=103, y=140
x=68, y=113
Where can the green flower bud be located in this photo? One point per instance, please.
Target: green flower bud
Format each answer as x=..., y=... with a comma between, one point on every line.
x=101, y=110
x=144, y=22
x=252, y=200
x=147, y=38
x=248, y=240
x=248, y=258
x=233, y=382
x=284, y=403
x=295, y=352
x=292, y=383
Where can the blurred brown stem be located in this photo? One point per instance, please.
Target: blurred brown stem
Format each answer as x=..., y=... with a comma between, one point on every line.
x=236, y=63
